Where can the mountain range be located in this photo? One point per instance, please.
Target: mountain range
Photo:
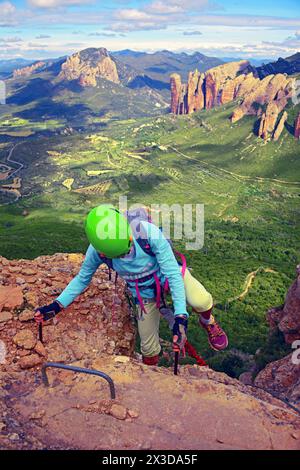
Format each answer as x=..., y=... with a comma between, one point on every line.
x=96, y=84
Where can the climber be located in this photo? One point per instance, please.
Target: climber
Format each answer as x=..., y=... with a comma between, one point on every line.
x=138, y=251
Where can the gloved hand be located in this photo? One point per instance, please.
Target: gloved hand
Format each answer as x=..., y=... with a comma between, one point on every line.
x=47, y=312
x=179, y=333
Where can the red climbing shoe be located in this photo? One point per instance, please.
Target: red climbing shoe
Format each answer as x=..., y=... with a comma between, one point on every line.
x=217, y=338
x=151, y=361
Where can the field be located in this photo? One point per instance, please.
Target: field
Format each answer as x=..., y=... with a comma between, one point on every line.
x=249, y=188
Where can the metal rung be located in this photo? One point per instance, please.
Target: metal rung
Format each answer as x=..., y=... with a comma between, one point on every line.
x=78, y=369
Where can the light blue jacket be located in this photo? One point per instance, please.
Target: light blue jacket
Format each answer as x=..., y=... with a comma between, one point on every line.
x=137, y=264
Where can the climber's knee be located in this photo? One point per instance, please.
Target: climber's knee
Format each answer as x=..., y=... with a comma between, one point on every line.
x=148, y=326
x=196, y=294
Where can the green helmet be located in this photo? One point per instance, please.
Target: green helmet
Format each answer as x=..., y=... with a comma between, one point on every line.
x=108, y=231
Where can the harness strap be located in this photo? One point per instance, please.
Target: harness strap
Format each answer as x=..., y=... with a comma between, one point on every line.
x=158, y=290
x=113, y=316
x=183, y=262
x=138, y=294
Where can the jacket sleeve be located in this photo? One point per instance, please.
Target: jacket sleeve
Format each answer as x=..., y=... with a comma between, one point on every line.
x=168, y=266
x=82, y=280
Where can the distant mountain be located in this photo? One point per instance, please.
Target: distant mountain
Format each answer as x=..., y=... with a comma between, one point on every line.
x=254, y=62
x=160, y=65
x=90, y=83
x=8, y=66
x=289, y=65
x=11, y=64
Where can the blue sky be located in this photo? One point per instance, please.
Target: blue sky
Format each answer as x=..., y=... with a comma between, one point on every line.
x=224, y=28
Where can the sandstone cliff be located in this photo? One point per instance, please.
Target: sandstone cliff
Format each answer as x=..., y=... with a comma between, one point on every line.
x=88, y=65
x=29, y=70
x=297, y=127
x=235, y=81
x=213, y=411
x=283, y=376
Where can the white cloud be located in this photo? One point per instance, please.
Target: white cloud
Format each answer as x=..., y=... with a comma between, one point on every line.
x=10, y=40
x=8, y=11
x=56, y=3
x=192, y=33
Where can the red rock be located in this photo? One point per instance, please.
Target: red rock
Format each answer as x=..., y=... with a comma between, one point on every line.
x=280, y=126
x=225, y=83
x=5, y=316
x=118, y=411
x=195, y=95
x=40, y=349
x=25, y=339
x=282, y=376
x=176, y=88
x=30, y=361
x=28, y=271
x=11, y=298
x=297, y=127
x=268, y=121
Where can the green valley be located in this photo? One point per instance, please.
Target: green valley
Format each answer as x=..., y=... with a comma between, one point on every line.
x=250, y=189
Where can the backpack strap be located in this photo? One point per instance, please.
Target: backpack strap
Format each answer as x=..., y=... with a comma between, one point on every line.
x=109, y=264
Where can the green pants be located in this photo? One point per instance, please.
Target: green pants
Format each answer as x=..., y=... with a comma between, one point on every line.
x=148, y=324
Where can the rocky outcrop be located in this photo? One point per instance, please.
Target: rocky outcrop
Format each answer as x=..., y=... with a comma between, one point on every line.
x=280, y=126
x=265, y=98
x=29, y=70
x=88, y=65
x=85, y=329
x=195, y=94
x=178, y=95
x=273, y=92
x=218, y=85
x=76, y=411
x=283, y=376
x=297, y=127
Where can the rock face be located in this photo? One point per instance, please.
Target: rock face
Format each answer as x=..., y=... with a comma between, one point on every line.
x=178, y=105
x=85, y=329
x=283, y=376
x=27, y=71
x=235, y=80
x=88, y=65
x=297, y=127
x=213, y=411
x=280, y=126
x=76, y=412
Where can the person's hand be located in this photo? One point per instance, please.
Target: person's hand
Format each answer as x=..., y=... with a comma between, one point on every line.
x=179, y=333
x=47, y=312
